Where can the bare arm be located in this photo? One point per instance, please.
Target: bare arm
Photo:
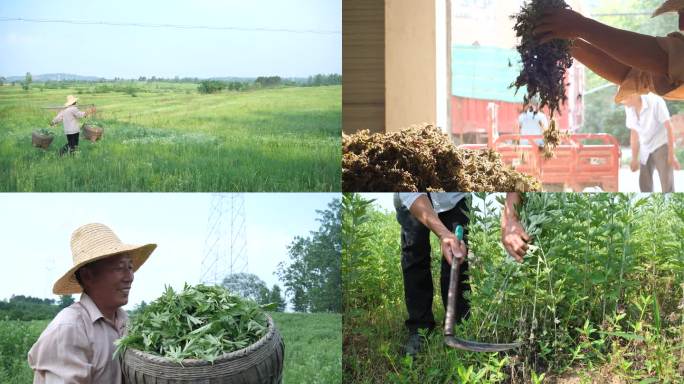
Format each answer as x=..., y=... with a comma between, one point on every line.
x=634, y=143
x=58, y=118
x=672, y=155
x=600, y=62
x=422, y=210
x=630, y=48
x=513, y=235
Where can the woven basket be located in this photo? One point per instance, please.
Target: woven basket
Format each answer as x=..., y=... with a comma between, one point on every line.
x=41, y=141
x=92, y=133
x=261, y=362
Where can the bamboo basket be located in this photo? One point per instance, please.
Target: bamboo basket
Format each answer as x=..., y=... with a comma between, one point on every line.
x=261, y=362
x=41, y=141
x=92, y=133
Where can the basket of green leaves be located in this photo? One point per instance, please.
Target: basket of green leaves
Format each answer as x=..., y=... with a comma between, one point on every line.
x=202, y=334
x=42, y=138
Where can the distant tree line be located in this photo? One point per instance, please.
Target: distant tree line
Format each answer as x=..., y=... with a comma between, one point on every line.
x=22, y=307
x=214, y=86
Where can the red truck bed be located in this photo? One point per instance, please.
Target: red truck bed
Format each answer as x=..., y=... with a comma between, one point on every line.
x=580, y=161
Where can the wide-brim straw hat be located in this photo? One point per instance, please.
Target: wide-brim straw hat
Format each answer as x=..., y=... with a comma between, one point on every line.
x=669, y=6
x=93, y=242
x=71, y=100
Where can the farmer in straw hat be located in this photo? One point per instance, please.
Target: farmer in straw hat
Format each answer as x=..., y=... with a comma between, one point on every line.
x=78, y=345
x=70, y=116
x=637, y=63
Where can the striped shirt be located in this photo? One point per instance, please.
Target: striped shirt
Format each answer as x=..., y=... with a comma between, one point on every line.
x=77, y=346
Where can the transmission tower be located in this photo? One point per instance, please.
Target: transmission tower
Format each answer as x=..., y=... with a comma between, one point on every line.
x=226, y=242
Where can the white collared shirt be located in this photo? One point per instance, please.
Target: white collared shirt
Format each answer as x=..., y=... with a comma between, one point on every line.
x=649, y=125
x=77, y=346
x=70, y=116
x=441, y=201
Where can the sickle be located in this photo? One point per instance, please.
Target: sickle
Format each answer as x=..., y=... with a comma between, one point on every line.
x=449, y=339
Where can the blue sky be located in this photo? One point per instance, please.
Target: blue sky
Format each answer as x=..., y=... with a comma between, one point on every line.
x=36, y=227
x=126, y=51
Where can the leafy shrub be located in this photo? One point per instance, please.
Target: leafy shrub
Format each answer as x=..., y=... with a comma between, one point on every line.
x=211, y=86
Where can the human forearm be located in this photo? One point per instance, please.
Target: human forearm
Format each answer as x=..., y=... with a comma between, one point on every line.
x=599, y=62
x=422, y=210
x=630, y=48
x=510, y=212
x=670, y=138
x=634, y=144
x=513, y=235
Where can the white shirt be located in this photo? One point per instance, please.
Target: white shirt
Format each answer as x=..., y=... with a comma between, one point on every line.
x=531, y=123
x=77, y=346
x=441, y=201
x=70, y=116
x=649, y=125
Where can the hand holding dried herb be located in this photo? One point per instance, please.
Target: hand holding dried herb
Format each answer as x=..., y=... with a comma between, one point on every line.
x=544, y=65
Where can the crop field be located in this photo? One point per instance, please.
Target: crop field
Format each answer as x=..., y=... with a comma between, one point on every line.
x=599, y=297
x=313, y=347
x=168, y=137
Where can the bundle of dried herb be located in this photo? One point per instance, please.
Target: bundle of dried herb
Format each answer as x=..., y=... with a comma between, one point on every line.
x=422, y=158
x=543, y=65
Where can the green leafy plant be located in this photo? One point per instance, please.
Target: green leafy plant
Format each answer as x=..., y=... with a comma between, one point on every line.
x=199, y=322
x=45, y=132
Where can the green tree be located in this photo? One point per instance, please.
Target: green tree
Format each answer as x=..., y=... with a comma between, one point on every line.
x=276, y=297
x=2, y=80
x=247, y=285
x=312, y=277
x=65, y=301
x=28, y=79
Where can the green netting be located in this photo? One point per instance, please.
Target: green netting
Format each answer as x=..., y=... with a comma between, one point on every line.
x=484, y=73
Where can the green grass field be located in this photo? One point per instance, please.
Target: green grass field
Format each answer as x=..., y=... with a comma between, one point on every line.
x=313, y=347
x=168, y=137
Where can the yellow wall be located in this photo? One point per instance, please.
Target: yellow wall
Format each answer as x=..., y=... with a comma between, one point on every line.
x=410, y=50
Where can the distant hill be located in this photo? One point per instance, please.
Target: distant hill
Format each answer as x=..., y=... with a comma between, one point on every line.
x=56, y=77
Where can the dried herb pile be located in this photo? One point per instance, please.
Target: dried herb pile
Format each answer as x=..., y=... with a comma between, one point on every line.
x=422, y=158
x=543, y=65
x=199, y=322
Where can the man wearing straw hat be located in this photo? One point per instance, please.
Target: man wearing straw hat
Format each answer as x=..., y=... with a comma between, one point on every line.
x=70, y=116
x=637, y=63
x=78, y=344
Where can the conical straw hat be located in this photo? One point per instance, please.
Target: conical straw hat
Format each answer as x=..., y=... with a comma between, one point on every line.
x=70, y=100
x=93, y=242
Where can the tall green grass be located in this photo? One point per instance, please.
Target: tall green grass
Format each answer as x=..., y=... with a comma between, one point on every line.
x=313, y=347
x=173, y=139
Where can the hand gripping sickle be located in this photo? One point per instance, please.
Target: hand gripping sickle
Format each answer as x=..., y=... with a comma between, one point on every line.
x=449, y=338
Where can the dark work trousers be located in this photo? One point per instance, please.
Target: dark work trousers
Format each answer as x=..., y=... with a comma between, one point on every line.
x=415, y=265
x=71, y=145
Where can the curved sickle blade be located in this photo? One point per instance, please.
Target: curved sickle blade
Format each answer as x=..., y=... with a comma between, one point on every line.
x=474, y=346
x=449, y=338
